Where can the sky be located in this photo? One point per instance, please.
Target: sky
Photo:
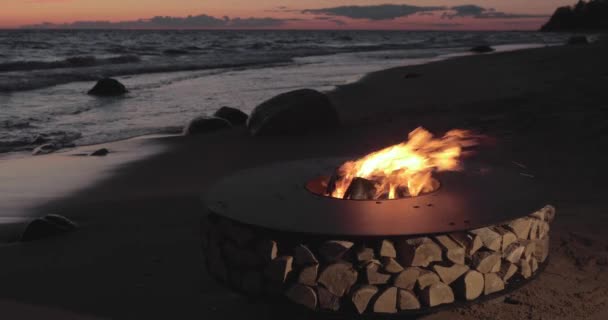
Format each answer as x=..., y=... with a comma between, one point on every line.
x=281, y=14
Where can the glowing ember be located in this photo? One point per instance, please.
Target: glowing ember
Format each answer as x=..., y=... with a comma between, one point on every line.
x=404, y=169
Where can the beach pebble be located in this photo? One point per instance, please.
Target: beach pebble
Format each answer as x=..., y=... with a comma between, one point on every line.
x=47, y=226
x=235, y=116
x=108, y=87
x=482, y=49
x=100, y=152
x=45, y=149
x=294, y=112
x=205, y=125
x=576, y=40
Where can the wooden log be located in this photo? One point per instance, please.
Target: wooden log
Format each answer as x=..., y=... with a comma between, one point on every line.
x=534, y=229
x=390, y=265
x=452, y=251
x=542, y=247
x=252, y=282
x=470, y=242
x=240, y=257
x=449, y=273
x=550, y=213
x=338, y=278
x=539, y=214
x=387, y=249
x=507, y=270
x=327, y=300
x=407, y=300
x=525, y=270
x=361, y=297
x=386, y=301
x=365, y=254
x=279, y=269
x=302, y=295
x=303, y=256
x=530, y=248
x=407, y=278
x=240, y=234
x=513, y=252
x=334, y=250
x=418, y=252
x=490, y=239
x=543, y=229
x=470, y=286
x=437, y=294
x=533, y=264
x=360, y=189
x=308, y=275
x=493, y=283
x=497, y=266
x=485, y=261
x=267, y=250
x=373, y=275
x=507, y=236
x=521, y=227
x=426, y=278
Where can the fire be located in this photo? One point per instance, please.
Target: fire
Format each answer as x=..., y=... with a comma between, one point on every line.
x=405, y=169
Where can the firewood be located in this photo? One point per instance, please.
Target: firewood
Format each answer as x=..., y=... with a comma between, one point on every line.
x=361, y=297
x=525, y=270
x=470, y=286
x=507, y=270
x=407, y=300
x=386, y=301
x=418, y=252
x=470, y=242
x=278, y=269
x=332, y=251
x=426, y=278
x=543, y=229
x=389, y=265
x=513, y=252
x=541, y=251
x=360, y=189
x=508, y=237
x=497, y=266
x=534, y=229
x=374, y=276
x=308, y=275
x=493, y=283
x=304, y=257
x=252, y=282
x=521, y=227
x=240, y=234
x=490, y=239
x=365, y=254
x=437, y=294
x=267, y=250
x=485, y=261
x=387, y=249
x=327, y=300
x=530, y=248
x=549, y=213
x=449, y=274
x=302, y=295
x=240, y=257
x=407, y=278
x=338, y=278
x=533, y=264
x=452, y=251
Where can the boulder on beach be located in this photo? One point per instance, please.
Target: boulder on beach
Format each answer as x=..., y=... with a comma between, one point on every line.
x=482, y=49
x=578, y=40
x=293, y=112
x=205, y=125
x=100, y=152
x=47, y=226
x=108, y=88
x=236, y=117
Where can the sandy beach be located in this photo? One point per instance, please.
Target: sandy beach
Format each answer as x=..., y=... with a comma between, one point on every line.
x=137, y=251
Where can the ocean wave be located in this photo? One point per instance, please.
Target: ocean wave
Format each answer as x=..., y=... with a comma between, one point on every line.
x=71, y=62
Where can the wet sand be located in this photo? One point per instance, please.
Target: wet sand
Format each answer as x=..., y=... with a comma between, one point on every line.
x=137, y=252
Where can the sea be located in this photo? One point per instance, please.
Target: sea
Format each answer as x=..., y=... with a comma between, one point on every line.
x=174, y=76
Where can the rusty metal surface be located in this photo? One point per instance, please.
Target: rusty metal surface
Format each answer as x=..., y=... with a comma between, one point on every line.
x=276, y=197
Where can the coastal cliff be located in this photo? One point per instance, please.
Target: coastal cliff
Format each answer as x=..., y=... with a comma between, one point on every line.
x=584, y=16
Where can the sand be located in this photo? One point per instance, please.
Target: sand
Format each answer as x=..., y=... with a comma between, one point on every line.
x=137, y=252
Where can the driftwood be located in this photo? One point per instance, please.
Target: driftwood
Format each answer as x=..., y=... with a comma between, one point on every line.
x=327, y=300
x=386, y=301
x=361, y=297
x=449, y=274
x=302, y=295
x=418, y=252
x=470, y=286
x=407, y=300
x=452, y=251
x=493, y=283
x=338, y=278
x=490, y=239
x=437, y=294
x=333, y=250
x=407, y=278
x=308, y=275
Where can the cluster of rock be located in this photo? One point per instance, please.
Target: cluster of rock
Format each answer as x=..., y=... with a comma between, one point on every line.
x=381, y=275
x=584, y=16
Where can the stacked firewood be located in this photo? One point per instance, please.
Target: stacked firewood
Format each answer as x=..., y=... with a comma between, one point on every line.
x=381, y=275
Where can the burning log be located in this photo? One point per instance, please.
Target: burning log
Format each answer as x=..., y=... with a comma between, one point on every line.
x=308, y=275
x=449, y=274
x=387, y=249
x=365, y=254
x=493, y=283
x=304, y=257
x=437, y=294
x=361, y=189
x=451, y=250
x=334, y=250
x=338, y=278
x=470, y=242
x=361, y=297
x=507, y=236
x=327, y=300
x=418, y=252
x=426, y=278
x=407, y=300
x=507, y=270
x=490, y=239
x=521, y=227
x=302, y=295
x=372, y=274
x=470, y=286
x=391, y=266
x=485, y=261
x=407, y=278
x=386, y=301
x=513, y=252
x=278, y=269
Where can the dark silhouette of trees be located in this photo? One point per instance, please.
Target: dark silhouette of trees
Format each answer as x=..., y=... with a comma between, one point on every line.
x=583, y=16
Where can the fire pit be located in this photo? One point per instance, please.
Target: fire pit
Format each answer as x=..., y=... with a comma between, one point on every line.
x=414, y=231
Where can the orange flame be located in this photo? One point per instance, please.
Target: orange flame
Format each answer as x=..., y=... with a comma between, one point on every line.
x=406, y=167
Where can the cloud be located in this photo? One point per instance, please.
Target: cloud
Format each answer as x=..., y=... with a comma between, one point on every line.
x=165, y=22
x=374, y=12
x=478, y=12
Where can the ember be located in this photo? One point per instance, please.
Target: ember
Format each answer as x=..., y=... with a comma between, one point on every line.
x=402, y=170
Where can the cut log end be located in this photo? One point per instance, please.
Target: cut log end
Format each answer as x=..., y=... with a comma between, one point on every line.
x=386, y=301
x=302, y=295
x=362, y=296
x=338, y=278
x=437, y=294
x=470, y=286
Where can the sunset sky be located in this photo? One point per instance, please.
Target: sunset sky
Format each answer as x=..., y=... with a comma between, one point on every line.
x=307, y=14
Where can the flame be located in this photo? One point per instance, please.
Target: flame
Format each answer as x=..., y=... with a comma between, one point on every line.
x=406, y=168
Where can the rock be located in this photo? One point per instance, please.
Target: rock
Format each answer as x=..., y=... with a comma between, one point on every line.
x=294, y=112
x=585, y=15
x=482, y=49
x=361, y=297
x=108, y=88
x=302, y=295
x=47, y=226
x=338, y=278
x=45, y=149
x=100, y=152
x=386, y=302
x=200, y=125
x=236, y=117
